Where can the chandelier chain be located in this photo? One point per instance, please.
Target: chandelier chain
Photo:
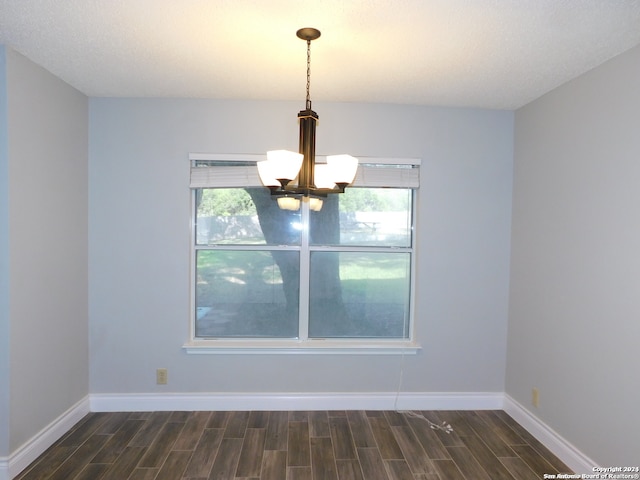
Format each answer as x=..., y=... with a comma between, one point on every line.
x=308, y=104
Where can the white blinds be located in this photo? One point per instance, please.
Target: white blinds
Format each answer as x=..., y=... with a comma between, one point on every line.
x=228, y=171
x=224, y=177
x=387, y=176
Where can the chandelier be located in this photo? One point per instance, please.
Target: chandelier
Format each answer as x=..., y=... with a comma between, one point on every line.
x=292, y=176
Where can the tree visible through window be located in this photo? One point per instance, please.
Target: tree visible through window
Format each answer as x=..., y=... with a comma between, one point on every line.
x=342, y=272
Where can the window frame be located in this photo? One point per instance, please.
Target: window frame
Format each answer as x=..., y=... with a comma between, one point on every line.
x=303, y=344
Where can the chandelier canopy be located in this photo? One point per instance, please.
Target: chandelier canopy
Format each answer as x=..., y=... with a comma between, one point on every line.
x=292, y=176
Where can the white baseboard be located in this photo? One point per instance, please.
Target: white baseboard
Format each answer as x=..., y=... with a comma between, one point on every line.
x=32, y=449
x=561, y=448
x=565, y=451
x=295, y=401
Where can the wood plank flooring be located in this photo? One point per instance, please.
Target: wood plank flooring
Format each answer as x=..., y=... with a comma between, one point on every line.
x=314, y=445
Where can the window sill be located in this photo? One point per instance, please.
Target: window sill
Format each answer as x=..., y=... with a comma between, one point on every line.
x=313, y=347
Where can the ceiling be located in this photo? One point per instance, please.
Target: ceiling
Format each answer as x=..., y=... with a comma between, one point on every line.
x=475, y=53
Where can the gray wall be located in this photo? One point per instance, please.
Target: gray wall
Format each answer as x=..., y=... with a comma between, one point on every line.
x=4, y=264
x=575, y=271
x=47, y=135
x=139, y=243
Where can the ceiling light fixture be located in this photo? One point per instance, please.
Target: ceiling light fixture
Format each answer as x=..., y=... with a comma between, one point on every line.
x=293, y=176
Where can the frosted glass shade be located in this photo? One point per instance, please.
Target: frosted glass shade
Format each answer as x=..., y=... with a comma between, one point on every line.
x=267, y=175
x=315, y=204
x=322, y=176
x=288, y=203
x=284, y=164
x=343, y=168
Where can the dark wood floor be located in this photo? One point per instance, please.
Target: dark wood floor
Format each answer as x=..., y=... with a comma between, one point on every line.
x=342, y=445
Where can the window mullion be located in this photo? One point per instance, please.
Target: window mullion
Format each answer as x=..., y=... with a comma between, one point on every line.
x=305, y=268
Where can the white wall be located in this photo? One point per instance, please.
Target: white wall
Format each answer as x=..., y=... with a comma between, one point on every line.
x=47, y=135
x=139, y=243
x=574, y=319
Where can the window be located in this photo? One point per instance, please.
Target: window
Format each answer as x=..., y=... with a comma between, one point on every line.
x=265, y=277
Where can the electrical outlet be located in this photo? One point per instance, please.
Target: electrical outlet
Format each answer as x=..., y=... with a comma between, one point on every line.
x=161, y=376
x=535, y=397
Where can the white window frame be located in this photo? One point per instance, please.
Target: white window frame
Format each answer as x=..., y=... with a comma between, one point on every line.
x=232, y=177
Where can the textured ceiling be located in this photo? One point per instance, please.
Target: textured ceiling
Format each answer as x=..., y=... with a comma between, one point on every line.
x=481, y=53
